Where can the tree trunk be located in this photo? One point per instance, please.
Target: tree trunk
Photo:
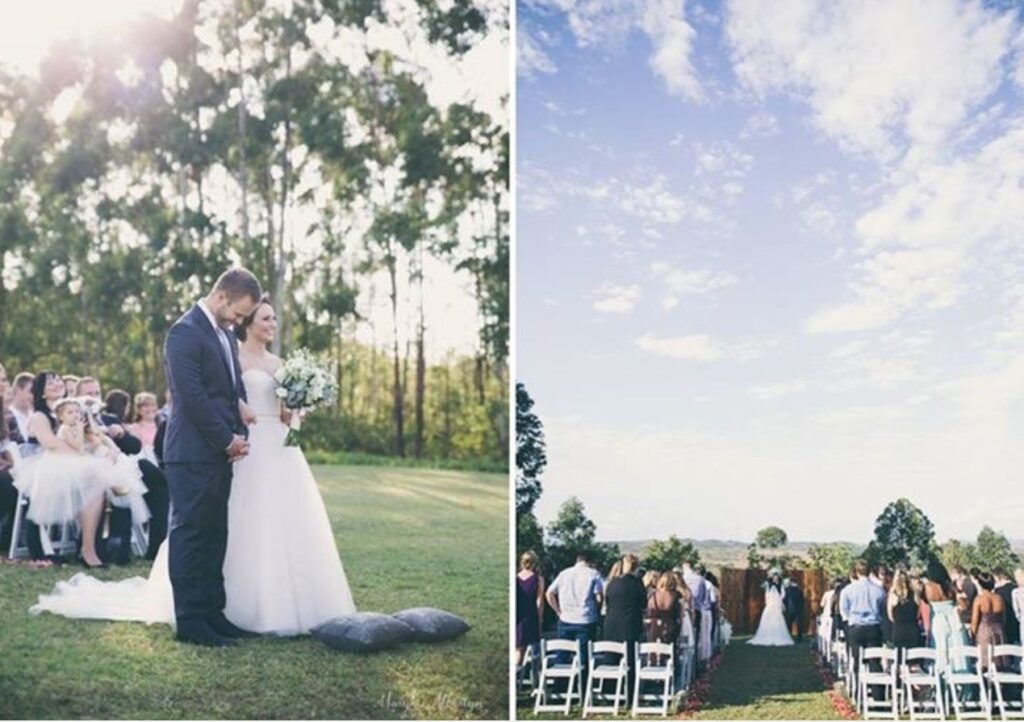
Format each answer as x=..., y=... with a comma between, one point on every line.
x=243, y=171
x=398, y=400
x=421, y=368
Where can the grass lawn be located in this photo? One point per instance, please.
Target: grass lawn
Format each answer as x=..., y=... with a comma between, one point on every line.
x=767, y=683
x=408, y=537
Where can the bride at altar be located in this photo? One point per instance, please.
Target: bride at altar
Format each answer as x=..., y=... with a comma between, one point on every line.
x=772, y=630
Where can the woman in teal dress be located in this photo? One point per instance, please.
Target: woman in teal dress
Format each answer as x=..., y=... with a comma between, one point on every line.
x=946, y=632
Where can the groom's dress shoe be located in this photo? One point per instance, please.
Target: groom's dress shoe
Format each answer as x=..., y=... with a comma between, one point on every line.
x=223, y=627
x=203, y=635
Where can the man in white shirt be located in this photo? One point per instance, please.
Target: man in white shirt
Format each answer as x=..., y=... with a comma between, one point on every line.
x=576, y=596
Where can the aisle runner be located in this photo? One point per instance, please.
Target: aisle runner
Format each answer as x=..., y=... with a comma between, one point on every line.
x=767, y=683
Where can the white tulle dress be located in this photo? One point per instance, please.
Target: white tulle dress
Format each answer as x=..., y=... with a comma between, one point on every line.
x=772, y=630
x=282, y=571
x=60, y=484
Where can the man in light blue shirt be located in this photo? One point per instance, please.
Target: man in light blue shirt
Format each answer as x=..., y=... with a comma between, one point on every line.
x=862, y=604
x=575, y=595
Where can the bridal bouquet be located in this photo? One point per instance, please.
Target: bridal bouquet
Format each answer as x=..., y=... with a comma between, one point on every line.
x=303, y=385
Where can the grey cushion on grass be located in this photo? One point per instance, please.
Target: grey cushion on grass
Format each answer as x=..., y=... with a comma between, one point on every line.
x=432, y=625
x=363, y=632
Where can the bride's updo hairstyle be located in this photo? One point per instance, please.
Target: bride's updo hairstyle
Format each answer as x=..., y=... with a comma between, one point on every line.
x=242, y=329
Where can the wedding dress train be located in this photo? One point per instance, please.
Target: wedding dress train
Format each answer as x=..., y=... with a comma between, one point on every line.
x=772, y=630
x=282, y=571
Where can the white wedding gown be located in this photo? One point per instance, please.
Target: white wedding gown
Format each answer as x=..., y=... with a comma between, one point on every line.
x=282, y=572
x=772, y=630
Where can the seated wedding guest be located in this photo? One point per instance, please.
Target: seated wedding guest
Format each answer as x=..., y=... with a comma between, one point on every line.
x=8, y=494
x=904, y=613
x=575, y=596
x=946, y=630
x=70, y=384
x=862, y=603
x=1004, y=588
x=626, y=599
x=4, y=386
x=987, y=618
x=156, y=497
x=20, y=408
x=529, y=606
x=165, y=411
x=117, y=403
x=59, y=485
x=145, y=425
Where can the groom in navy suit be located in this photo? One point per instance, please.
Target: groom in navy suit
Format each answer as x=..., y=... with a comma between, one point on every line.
x=205, y=435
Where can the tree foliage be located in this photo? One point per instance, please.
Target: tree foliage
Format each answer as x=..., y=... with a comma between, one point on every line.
x=134, y=169
x=994, y=550
x=663, y=555
x=835, y=559
x=763, y=551
x=531, y=455
x=903, y=535
x=573, y=532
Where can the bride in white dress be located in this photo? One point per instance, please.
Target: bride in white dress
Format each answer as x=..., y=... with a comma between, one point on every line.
x=282, y=572
x=772, y=630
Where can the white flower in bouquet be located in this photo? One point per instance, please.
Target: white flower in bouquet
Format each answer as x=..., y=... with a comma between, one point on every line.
x=303, y=385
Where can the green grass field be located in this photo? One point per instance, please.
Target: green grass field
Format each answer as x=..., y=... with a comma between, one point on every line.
x=408, y=537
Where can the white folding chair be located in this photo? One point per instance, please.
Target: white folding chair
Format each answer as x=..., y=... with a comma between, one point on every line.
x=599, y=674
x=654, y=663
x=1012, y=656
x=525, y=673
x=554, y=670
x=888, y=706
x=919, y=672
x=959, y=683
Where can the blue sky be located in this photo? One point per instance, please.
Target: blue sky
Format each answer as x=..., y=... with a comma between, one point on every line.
x=769, y=262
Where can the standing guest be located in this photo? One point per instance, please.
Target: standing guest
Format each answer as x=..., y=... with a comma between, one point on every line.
x=947, y=632
x=712, y=581
x=575, y=596
x=70, y=384
x=664, y=611
x=838, y=620
x=1018, y=601
x=626, y=599
x=987, y=618
x=1004, y=588
x=794, y=605
x=651, y=580
x=917, y=582
x=529, y=606
x=686, y=635
x=614, y=573
x=701, y=604
x=904, y=613
x=145, y=424
x=862, y=604
x=966, y=591
x=21, y=407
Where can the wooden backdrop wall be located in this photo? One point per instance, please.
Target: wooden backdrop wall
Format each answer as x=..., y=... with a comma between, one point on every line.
x=743, y=596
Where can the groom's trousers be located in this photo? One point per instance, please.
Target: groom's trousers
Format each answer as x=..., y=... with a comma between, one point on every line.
x=198, y=537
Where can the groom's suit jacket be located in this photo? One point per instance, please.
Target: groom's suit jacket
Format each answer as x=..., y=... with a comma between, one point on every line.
x=205, y=413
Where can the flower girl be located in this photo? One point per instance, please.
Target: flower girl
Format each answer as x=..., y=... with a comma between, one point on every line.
x=69, y=480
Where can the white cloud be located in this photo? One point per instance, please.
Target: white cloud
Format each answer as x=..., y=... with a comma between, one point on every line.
x=760, y=125
x=530, y=56
x=664, y=21
x=879, y=75
x=697, y=347
x=722, y=158
x=613, y=298
x=818, y=220
x=680, y=281
x=922, y=243
x=608, y=23
x=654, y=202
x=770, y=392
